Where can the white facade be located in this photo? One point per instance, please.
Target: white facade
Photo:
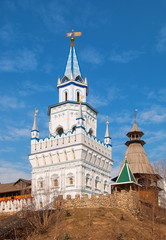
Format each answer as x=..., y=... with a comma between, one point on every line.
x=64, y=116
x=71, y=160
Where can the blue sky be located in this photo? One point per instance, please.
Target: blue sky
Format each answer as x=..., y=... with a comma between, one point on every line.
x=122, y=52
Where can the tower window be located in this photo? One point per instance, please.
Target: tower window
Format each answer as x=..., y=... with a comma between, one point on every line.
x=73, y=128
x=41, y=204
x=88, y=180
x=40, y=183
x=55, y=182
x=91, y=131
x=105, y=186
x=78, y=96
x=97, y=183
x=66, y=97
x=59, y=130
x=70, y=179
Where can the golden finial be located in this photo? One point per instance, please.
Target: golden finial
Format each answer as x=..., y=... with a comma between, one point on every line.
x=135, y=115
x=73, y=34
x=107, y=122
x=36, y=111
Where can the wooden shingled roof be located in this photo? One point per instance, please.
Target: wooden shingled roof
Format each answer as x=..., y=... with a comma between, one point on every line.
x=19, y=185
x=135, y=153
x=138, y=159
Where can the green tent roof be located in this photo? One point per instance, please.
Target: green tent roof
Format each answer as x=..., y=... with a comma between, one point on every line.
x=125, y=175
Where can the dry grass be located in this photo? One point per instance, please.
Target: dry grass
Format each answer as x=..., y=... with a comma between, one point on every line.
x=105, y=224
x=83, y=224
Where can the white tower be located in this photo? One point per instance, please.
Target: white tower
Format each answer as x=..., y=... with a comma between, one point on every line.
x=72, y=160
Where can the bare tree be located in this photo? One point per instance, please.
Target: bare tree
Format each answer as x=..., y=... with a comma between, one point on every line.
x=160, y=169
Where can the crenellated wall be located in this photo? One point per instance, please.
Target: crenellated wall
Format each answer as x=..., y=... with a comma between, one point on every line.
x=67, y=148
x=14, y=205
x=128, y=201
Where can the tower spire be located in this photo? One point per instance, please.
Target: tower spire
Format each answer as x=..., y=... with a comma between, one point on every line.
x=107, y=138
x=72, y=85
x=72, y=67
x=135, y=126
x=35, y=131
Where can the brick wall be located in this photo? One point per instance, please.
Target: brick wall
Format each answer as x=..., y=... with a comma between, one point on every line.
x=128, y=201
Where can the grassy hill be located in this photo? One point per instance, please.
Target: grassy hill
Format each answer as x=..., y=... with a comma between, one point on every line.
x=98, y=224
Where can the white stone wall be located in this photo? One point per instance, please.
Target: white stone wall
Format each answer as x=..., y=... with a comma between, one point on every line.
x=15, y=205
x=65, y=116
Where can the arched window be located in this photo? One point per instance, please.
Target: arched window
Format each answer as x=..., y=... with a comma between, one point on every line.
x=66, y=97
x=97, y=183
x=73, y=128
x=59, y=130
x=91, y=131
x=54, y=180
x=78, y=96
x=40, y=183
x=88, y=180
x=70, y=179
x=105, y=186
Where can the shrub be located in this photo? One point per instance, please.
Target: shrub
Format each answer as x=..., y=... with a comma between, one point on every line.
x=121, y=236
x=68, y=214
x=67, y=237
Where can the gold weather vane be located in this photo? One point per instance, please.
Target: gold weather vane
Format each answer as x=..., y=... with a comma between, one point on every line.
x=73, y=34
x=36, y=111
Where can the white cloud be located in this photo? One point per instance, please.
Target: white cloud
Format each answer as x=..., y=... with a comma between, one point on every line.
x=12, y=172
x=13, y=133
x=91, y=55
x=7, y=149
x=11, y=103
x=125, y=57
x=156, y=114
x=29, y=87
x=110, y=94
x=155, y=136
x=115, y=93
x=158, y=95
x=18, y=61
x=115, y=171
x=97, y=101
x=161, y=43
x=54, y=15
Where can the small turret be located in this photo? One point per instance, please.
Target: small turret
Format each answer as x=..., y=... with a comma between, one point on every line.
x=59, y=80
x=80, y=119
x=35, y=131
x=107, y=138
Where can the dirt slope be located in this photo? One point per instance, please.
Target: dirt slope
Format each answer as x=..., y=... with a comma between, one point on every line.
x=105, y=224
